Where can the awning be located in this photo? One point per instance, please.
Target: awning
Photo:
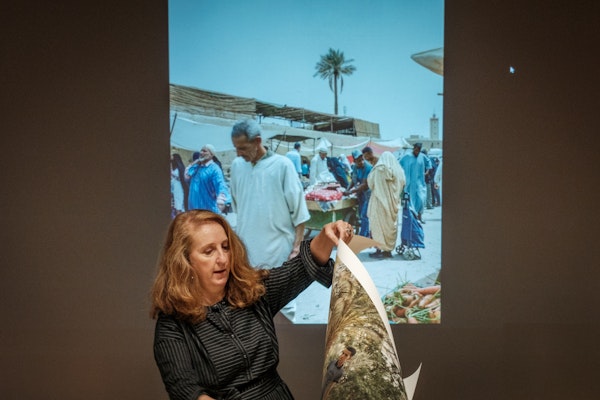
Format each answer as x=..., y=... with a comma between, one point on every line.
x=433, y=60
x=191, y=135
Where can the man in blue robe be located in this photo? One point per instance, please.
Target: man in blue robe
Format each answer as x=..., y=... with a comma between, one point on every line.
x=208, y=189
x=359, y=186
x=415, y=165
x=295, y=158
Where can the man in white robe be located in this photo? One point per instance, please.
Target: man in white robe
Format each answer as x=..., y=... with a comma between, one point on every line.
x=318, y=166
x=268, y=197
x=386, y=181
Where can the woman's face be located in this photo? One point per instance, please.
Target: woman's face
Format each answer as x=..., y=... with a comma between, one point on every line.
x=209, y=257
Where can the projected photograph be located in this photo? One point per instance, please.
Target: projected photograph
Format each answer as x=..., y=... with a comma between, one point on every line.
x=349, y=98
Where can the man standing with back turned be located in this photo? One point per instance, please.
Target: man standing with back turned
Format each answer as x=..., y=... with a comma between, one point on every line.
x=295, y=158
x=268, y=198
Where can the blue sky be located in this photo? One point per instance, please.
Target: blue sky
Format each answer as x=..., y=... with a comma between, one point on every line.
x=268, y=50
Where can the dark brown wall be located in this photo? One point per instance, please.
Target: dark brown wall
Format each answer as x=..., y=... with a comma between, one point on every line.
x=84, y=205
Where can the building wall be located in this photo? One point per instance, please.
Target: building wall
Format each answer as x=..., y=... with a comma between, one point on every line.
x=427, y=143
x=85, y=206
x=434, y=128
x=368, y=129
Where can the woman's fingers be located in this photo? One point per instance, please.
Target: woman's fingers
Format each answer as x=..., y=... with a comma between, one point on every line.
x=340, y=230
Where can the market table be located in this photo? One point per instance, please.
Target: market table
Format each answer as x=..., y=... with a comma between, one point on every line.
x=324, y=212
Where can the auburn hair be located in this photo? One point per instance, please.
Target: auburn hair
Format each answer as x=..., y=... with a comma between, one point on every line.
x=176, y=292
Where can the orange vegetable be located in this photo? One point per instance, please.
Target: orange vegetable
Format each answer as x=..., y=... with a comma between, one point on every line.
x=428, y=290
x=435, y=315
x=399, y=311
x=414, y=302
x=407, y=299
x=434, y=303
x=425, y=300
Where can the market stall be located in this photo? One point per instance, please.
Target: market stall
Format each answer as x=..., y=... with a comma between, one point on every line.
x=327, y=204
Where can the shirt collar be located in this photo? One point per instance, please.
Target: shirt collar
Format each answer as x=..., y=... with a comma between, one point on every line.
x=268, y=154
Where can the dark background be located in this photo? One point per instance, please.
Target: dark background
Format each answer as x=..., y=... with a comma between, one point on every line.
x=85, y=204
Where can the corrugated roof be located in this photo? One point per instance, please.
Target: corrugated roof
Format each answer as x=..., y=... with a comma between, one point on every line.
x=192, y=100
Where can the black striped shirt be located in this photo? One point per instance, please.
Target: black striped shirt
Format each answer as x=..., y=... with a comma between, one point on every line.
x=233, y=353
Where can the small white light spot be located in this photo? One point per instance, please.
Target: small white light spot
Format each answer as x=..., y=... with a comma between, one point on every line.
x=511, y=69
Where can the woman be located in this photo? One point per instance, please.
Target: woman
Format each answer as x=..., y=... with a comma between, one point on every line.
x=179, y=187
x=386, y=181
x=215, y=335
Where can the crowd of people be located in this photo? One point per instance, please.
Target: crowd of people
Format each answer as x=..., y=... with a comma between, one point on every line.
x=266, y=190
x=219, y=287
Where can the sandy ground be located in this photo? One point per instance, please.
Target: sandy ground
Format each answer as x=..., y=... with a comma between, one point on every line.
x=312, y=306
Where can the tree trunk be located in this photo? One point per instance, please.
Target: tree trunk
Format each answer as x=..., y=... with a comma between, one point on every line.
x=335, y=94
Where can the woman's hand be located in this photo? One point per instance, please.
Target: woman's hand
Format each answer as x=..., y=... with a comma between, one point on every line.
x=330, y=235
x=338, y=230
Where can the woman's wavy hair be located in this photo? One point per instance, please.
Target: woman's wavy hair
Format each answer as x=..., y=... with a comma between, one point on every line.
x=176, y=290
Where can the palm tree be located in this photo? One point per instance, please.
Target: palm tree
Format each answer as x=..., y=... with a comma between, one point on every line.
x=333, y=66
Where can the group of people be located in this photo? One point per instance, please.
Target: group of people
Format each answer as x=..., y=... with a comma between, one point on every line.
x=201, y=185
x=264, y=189
x=379, y=184
x=320, y=168
x=218, y=288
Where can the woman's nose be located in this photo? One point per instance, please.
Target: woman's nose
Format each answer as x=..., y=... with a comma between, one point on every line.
x=221, y=256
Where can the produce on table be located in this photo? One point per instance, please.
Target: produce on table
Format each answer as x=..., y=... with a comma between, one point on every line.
x=414, y=305
x=330, y=192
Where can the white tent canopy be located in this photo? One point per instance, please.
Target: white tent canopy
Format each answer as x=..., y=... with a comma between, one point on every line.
x=398, y=142
x=191, y=132
x=191, y=135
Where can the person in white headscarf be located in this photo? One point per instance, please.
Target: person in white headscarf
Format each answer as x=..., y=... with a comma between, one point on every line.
x=386, y=182
x=318, y=166
x=344, y=160
x=208, y=189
